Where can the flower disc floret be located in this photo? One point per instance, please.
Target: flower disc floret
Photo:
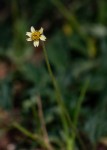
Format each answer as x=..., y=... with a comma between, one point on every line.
x=35, y=35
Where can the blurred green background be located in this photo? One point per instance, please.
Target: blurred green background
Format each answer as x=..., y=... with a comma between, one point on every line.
x=77, y=49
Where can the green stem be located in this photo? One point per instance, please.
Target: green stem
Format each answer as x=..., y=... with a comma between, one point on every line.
x=58, y=95
x=31, y=135
x=64, y=113
x=78, y=108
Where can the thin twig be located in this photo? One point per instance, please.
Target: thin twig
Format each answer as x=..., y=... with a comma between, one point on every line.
x=32, y=136
x=43, y=126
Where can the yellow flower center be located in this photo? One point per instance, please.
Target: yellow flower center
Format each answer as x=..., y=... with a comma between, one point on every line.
x=35, y=35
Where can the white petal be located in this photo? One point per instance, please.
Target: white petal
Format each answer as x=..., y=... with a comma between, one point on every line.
x=41, y=30
x=42, y=37
x=36, y=43
x=29, y=39
x=28, y=34
x=32, y=29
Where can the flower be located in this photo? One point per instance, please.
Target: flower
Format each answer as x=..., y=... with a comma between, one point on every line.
x=35, y=36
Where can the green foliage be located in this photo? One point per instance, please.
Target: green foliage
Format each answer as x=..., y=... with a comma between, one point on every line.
x=77, y=49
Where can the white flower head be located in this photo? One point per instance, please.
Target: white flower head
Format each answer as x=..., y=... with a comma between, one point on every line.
x=35, y=36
